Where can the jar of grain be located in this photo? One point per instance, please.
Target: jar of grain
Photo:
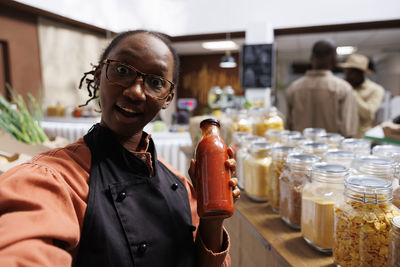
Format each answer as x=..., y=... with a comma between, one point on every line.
x=341, y=157
x=279, y=155
x=313, y=133
x=332, y=139
x=394, y=246
x=318, y=199
x=360, y=147
x=242, y=154
x=236, y=137
x=362, y=222
x=257, y=168
x=393, y=153
x=291, y=183
x=314, y=148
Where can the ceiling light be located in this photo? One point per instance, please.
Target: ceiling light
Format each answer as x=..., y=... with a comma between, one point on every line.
x=220, y=45
x=346, y=50
x=227, y=61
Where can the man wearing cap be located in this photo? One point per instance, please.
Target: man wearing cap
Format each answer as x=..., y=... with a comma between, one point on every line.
x=319, y=99
x=368, y=95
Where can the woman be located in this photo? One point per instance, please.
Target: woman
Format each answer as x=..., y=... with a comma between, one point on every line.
x=107, y=200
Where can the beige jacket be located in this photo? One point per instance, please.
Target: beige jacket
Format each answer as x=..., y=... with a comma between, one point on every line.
x=321, y=100
x=369, y=97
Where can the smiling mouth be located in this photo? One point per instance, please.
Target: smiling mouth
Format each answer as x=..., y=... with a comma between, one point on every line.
x=126, y=111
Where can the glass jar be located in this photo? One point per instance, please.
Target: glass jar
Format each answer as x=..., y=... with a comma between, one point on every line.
x=297, y=141
x=375, y=166
x=291, y=183
x=340, y=157
x=362, y=222
x=242, y=122
x=394, y=246
x=267, y=120
x=242, y=154
x=274, y=135
x=318, y=199
x=313, y=133
x=236, y=140
x=284, y=137
x=314, y=148
x=360, y=147
x=279, y=155
x=257, y=168
x=393, y=153
x=332, y=139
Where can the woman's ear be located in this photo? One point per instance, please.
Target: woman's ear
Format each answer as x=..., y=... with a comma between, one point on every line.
x=168, y=100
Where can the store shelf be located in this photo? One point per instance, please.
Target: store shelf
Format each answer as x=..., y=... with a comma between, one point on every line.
x=260, y=238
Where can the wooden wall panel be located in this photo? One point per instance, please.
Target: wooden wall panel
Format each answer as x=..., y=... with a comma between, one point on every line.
x=19, y=30
x=201, y=72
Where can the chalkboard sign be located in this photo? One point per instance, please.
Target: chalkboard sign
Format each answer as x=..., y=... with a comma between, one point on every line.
x=257, y=62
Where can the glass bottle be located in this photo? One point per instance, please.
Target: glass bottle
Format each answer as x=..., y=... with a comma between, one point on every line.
x=340, y=157
x=284, y=137
x=318, y=199
x=274, y=135
x=313, y=133
x=291, y=183
x=375, y=166
x=394, y=246
x=332, y=139
x=314, y=148
x=297, y=141
x=362, y=222
x=241, y=156
x=257, y=168
x=279, y=155
x=214, y=195
x=360, y=147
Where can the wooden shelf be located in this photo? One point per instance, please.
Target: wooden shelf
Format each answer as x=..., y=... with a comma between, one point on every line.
x=283, y=246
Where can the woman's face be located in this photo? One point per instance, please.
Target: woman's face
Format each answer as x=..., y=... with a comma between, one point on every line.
x=126, y=111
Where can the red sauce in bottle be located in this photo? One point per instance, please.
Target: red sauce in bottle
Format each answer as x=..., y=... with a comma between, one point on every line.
x=214, y=195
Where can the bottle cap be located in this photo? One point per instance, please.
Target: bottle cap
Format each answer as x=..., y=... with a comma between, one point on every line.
x=210, y=120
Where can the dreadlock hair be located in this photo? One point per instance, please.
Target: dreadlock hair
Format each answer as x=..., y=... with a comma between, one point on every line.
x=92, y=87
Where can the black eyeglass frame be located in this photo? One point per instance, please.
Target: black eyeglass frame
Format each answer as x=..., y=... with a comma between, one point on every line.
x=139, y=74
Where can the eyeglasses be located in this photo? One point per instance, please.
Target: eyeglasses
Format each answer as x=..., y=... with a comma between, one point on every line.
x=125, y=75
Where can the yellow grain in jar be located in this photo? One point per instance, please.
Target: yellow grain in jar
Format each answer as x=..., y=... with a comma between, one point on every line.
x=257, y=168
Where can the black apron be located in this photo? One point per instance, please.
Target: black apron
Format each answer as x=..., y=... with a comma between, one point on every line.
x=131, y=219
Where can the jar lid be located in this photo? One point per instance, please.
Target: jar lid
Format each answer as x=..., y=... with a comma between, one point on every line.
x=210, y=120
x=256, y=147
x=236, y=136
x=314, y=146
x=329, y=173
x=284, y=150
x=374, y=165
x=395, y=223
x=299, y=160
x=330, y=137
x=354, y=143
x=246, y=141
x=284, y=136
x=339, y=154
x=368, y=188
x=314, y=131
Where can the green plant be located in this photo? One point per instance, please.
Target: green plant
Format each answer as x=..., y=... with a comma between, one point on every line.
x=18, y=121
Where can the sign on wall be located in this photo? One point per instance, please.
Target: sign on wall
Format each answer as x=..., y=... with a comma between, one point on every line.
x=257, y=66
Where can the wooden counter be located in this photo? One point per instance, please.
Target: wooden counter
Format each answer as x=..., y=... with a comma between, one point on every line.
x=260, y=238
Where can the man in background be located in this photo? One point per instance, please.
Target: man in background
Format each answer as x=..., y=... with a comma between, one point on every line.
x=320, y=99
x=368, y=95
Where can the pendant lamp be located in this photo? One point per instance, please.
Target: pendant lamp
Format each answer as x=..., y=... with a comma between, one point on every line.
x=228, y=61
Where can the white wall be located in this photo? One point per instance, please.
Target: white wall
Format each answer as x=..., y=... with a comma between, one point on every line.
x=183, y=17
